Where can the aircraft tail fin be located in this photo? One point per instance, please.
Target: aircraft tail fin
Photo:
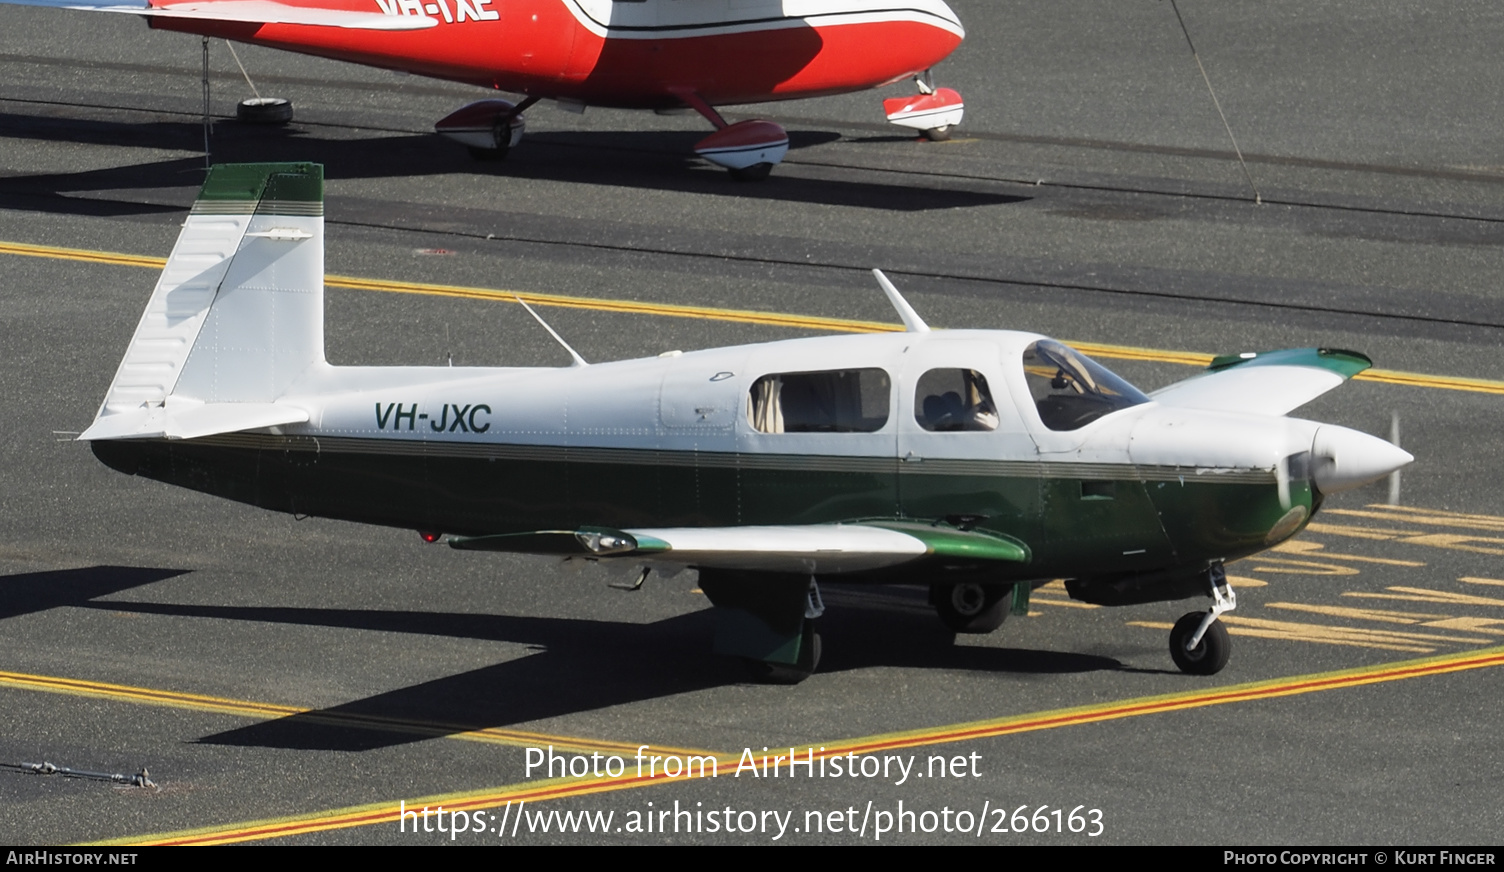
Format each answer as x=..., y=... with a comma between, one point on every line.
x=238, y=314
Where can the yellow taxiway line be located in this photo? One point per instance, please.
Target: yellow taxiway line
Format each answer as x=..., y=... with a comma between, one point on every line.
x=738, y=316
x=253, y=709
x=540, y=791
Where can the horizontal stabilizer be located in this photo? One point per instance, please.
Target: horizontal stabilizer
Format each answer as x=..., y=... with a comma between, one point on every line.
x=246, y=12
x=1264, y=383
x=818, y=548
x=192, y=420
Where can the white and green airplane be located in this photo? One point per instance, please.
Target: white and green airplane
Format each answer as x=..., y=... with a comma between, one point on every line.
x=981, y=463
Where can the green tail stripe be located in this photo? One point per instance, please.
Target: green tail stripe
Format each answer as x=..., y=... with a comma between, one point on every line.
x=278, y=188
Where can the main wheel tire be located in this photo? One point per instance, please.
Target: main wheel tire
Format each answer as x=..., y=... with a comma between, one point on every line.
x=264, y=110
x=1208, y=657
x=754, y=173
x=938, y=134
x=970, y=606
x=764, y=672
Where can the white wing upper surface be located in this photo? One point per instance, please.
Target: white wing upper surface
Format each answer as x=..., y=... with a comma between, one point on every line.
x=813, y=548
x=1268, y=383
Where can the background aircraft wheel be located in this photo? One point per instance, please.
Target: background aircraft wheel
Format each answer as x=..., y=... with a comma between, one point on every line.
x=264, y=110
x=488, y=153
x=1207, y=658
x=938, y=134
x=764, y=672
x=754, y=173
x=971, y=607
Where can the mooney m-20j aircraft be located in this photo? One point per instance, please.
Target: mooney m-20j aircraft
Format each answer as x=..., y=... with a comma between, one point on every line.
x=976, y=462
x=638, y=54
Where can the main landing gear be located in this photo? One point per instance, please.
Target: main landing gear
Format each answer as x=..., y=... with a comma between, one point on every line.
x=1199, y=643
x=971, y=606
x=747, y=149
x=489, y=128
x=934, y=112
x=767, y=621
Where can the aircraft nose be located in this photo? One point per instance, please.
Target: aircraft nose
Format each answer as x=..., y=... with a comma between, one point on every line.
x=1344, y=459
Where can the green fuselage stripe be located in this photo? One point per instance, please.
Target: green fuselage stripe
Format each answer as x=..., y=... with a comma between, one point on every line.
x=479, y=489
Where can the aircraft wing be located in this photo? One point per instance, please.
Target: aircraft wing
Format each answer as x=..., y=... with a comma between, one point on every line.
x=1267, y=382
x=246, y=11
x=822, y=548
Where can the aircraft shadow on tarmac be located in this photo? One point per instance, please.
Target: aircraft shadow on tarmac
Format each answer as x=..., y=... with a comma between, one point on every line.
x=660, y=160
x=40, y=591
x=583, y=665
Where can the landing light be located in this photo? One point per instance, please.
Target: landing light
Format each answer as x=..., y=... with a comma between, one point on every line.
x=605, y=543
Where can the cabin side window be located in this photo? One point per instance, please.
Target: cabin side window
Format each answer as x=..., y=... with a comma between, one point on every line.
x=952, y=400
x=1071, y=390
x=841, y=401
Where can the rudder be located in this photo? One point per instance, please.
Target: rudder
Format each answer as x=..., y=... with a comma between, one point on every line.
x=238, y=314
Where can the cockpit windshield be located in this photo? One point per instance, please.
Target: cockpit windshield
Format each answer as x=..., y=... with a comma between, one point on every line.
x=1070, y=389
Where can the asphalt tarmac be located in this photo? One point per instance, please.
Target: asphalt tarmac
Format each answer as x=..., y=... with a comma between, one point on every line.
x=300, y=681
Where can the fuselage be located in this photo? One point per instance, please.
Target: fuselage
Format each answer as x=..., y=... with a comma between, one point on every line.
x=797, y=432
x=634, y=53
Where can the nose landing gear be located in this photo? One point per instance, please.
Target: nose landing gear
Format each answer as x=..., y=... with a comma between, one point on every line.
x=933, y=111
x=1199, y=643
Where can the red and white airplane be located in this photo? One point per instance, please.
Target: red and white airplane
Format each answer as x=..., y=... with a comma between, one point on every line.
x=637, y=54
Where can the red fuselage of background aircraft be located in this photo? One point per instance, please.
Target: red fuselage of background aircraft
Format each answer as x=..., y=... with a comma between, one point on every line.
x=741, y=51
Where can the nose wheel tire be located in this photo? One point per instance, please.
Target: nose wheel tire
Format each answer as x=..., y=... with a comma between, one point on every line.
x=971, y=607
x=1209, y=655
x=938, y=134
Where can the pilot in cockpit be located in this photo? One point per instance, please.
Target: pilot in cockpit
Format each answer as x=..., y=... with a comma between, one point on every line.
x=949, y=412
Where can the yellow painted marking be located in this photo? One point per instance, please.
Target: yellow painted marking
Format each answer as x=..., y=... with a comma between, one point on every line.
x=1069, y=604
x=1426, y=595
x=1357, y=637
x=1471, y=580
x=1055, y=594
x=1334, y=632
x=1245, y=581
x=1359, y=614
x=1295, y=632
x=498, y=798
x=250, y=709
x=1376, y=533
x=1299, y=567
x=740, y=316
x=83, y=254
x=1435, y=513
x=1494, y=626
x=1316, y=549
x=1434, y=519
x=1457, y=542
x=669, y=310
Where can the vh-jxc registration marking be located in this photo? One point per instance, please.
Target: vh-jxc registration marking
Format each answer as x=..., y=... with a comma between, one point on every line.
x=463, y=420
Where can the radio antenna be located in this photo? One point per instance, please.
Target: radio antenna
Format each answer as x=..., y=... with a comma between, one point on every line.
x=578, y=360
